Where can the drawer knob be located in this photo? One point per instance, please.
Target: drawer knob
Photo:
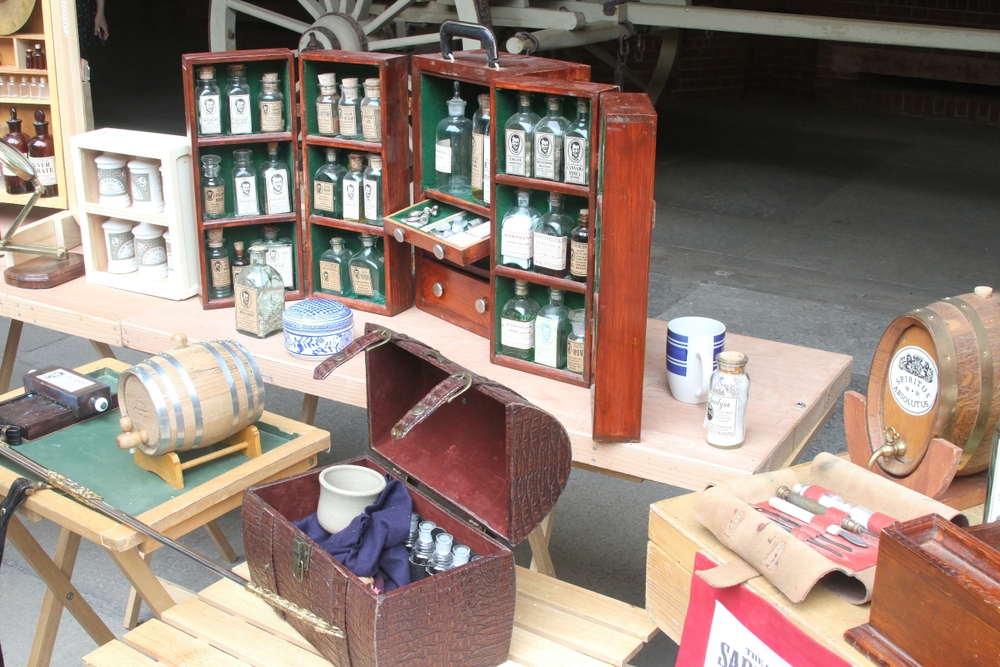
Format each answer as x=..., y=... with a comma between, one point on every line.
x=438, y=289
x=399, y=234
x=481, y=305
x=439, y=251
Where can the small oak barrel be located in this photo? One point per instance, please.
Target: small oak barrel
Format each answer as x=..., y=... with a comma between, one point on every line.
x=936, y=374
x=193, y=396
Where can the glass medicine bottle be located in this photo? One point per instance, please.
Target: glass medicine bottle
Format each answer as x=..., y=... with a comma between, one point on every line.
x=207, y=103
x=368, y=271
x=550, y=239
x=272, y=104
x=277, y=183
x=238, y=94
x=729, y=389
x=280, y=254
x=259, y=298
x=220, y=276
x=353, y=186
x=213, y=188
x=38, y=58
x=453, y=149
x=373, y=190
x=240, y=260
x=576, y=161
x=41, y=154
x=552, y=329
x=244, y=183
x=517, y=324
x=549, y=135
x=576, y=342
x=19, y=141
x=335, y=269
x=371, y=112
x=327, y=106
x=349, y=109
x=515, y=233
x=579, y=244
x=519, y=131
x=481, y=150
x=327, y=184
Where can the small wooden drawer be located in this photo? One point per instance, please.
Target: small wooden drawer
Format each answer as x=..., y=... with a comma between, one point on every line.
x=454, y=295
x=462, y=249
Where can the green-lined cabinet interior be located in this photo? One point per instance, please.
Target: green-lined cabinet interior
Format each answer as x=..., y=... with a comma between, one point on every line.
x=246, y=102
x=346, y=210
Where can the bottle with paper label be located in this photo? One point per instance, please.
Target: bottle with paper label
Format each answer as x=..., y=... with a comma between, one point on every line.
x=576, y=161
x=279, y=254
x=576, y=342
x=481, y=150
x=519, y=131
x=208, y=104
x=372, y=190
x=328, y=181
x=272, y=104
x=276, y=182
x=515, y=233
x=213, y=188
x=220, y=278
x=335, y=269
x=550, y=239
x=238, y=93
x=579, y=248
x=328, y=106
x=245, y=183
x=19, y=141
x=729, y=390
x=517, y=324
x=368, y=271
x=371, y=111
x=353, y=187
x=453, y=149
x=41, y=154
x=552, y=329
x=349, y=109
x=259, y=297
x=550, y=132
x=240, y=260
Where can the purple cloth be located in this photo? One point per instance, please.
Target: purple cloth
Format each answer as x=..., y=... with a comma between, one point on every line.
x=372, y=544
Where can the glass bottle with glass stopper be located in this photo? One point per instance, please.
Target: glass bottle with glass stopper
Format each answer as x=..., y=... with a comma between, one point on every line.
x=335, y=269
x=442, y=559
x=550, y=133
x=517, y=324
x=481, y=150
x=576, y=161
x=552, y=329
x=353, y=188
x=453, y=149
x=41, y=154
x=327, y=104
x=519, y=132
x=327, y=185
x=372, y=183
x=576, y=342
x=213, y=188
x=259, y=297
x=550, y=239
x=280, y=254
x=38, y=58
x=207, y=103
x=244, y=183
x=349, y=109
x=276, y=183
x=460, y=555
x=371, y=111
x=515, y=233
x=368, y=271
x=422, y=551
x=238, y=93
x=220, y=278
x=19, y=141
x=272, y=104
x=579, y=243
x=240, y=260
x=411, y=539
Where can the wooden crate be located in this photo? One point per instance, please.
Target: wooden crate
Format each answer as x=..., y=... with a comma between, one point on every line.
x=177, y=215
x=391, y=71
x=245, y=228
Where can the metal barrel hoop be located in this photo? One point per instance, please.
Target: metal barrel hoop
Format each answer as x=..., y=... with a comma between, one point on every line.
x=985, y=377
x=252, y=404
x=944, y=346
x=161, y=408
x=260, y=396
x=175, y=402
x=199, y=424
x=230, y=381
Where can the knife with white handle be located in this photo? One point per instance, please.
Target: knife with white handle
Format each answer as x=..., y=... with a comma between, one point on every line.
x=807, y=516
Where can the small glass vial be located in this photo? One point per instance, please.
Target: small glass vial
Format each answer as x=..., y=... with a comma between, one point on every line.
x=348, y=109
x=206, y=95
x=280, y=254
x=327, y=103
x=550, y=239
x=272, y=104
x=259, y=297
x=460, y=555
x=371, y=112
x=29, y=59
x=147, y=193
x=422, y=551
x=33, y=88
x=220, y=278
x=441, y=561
x=150, y=251
x=368, y=271
x=238, y=92
x=11, y=90
x=213, y=188
x=373, y=190
x=576, y=160
x=576, y=342
x=112, y=180
x=515, y=233
x=519, y=131
x=552, y=329
x=729, y=390
x=41, y=154
x=453, y=149
x=481, y=150
x=335, y=269
x=353, y=186
x=549, y=135
x=579, y=244
x=517, y=324
x=245, y=183
x=43, y=88
x=120, y=246
x=328, y=182
x=24, y=89
x=276, y=182
x=411, y=539
x=240, y=260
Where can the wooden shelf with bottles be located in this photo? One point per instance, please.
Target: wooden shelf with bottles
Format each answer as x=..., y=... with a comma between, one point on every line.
x=13, y=62
x=391, y=71
x=246, y=228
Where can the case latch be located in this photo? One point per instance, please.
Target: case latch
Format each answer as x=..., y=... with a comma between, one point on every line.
x=301, y=553
x=446, y=391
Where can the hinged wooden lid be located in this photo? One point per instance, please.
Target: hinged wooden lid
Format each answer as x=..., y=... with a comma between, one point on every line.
x=493, y=454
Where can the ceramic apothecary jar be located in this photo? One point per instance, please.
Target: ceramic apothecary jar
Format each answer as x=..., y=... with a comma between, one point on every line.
x=112, y=180
x=317, y=328
x=151, y=251
x=147, y=190
x=120, y=246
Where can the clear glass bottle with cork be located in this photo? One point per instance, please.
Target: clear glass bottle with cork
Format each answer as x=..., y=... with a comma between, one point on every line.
x=276, y=182
x=481, y=150
x=368, y=271
x=372, y=182
x=207, y=103
x=220, y=279
x=353, y=188
x=335, y=269
x=517, y=324
x=245, y=183
x=238, y=94
x=240, y=260
x=552, y=329
x=728, y=393
x=259, y=297
x=519, y=132
x=272, y=104
x=349, y=109
x=41, y=154
x=576, y=161
x=371, y=111
x=453, y=149
x=579, y=247
x=515, y=233
x=213, y=188
x=576, y=342
x=550, y=239
x=328, y=180
x=550, y=133
x=279, y=254
x=327, y=106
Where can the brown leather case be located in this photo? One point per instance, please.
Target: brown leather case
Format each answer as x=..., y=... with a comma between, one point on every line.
x=501, y=461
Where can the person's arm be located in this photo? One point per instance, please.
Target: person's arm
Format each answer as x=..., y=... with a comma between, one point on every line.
x=100, y=23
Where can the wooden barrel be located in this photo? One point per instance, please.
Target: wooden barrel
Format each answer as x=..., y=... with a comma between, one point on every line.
x=194, y=396
x=936, y=374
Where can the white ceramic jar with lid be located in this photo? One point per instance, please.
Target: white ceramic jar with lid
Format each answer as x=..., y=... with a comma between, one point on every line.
x=112, y=180
x=119, y=243
x=150, y=251
x=147, y=192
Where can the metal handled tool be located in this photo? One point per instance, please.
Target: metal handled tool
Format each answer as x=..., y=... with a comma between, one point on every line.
x=815, y=508
x=785, y=522
x=807, y=516
x=811, y=540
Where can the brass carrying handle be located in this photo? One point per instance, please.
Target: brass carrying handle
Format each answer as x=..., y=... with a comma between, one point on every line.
x=321, y=625
x=894, y=447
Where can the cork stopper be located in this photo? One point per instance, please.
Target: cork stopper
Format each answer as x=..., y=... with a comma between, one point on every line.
x=555, y=103
x=372, y=88
x=331, y=154
x=215, y=238
x=731, y=361
x=238, y=247
x=350, y=82
x=270, y=77
x=337, y=244
x=272, y=148
x=525, y=99
x=521, y=287
x=206, y=73
x=582, y=106
x=375, y=161
x=484, y=102
x=367, y=240
x=237, y=70
x=327, y=79
x=555, y=295
x=356, y=161
x=270, y=232
x=584, y=217
x=983, y=292
x=555, y=198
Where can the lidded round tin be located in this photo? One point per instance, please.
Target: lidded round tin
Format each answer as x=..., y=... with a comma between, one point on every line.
x=317, y=328
x=112, y=180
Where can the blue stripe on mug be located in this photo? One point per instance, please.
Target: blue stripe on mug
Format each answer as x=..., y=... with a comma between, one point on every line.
x=679, y=353
x=680, y=338
x=676, y=369
x=720, y=338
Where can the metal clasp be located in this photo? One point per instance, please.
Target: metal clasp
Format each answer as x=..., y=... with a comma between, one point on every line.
x=301, y=553
x=468, y=383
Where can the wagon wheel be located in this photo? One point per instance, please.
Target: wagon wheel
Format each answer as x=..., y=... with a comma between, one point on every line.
x=336, y=24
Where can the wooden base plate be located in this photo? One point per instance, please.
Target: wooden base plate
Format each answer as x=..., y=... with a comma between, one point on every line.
x=45, y=272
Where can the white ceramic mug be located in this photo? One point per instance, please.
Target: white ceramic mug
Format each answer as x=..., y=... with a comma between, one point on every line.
x=345, y=491
x=692, y=343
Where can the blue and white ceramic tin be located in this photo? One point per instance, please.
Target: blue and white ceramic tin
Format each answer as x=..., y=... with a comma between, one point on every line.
x=317, y=328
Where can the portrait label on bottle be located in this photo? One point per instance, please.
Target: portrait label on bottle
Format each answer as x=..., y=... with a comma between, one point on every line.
x=214, y=200
x=246, y=195
x=547, y=341
x=329, y=276
x=361, y=281
x=370, y=120
x=442, y=157
x=372, y=212
x=547, y=155
x=209, y=115
x=246, y=309
x=221, y=276
x=323, y=196
x=352, y=200
x=516, y=143
x=327, y=118
x=720, y=414
x=576, y=160
x=239, y=114
x=515, y=243
x=550, y=251
x=276, y=186
x=575, y=355
x=578, y=259
x=271, y=117
x=478, y=141
x=237, y=270
x=348, y=119
x=519, y=335
x=45, y=169
x=280, y=259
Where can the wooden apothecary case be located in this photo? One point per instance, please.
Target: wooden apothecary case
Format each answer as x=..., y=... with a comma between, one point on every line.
x=247, y=229
x=391, y=71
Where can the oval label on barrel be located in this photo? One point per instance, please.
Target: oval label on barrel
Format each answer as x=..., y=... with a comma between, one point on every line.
x=913, y=380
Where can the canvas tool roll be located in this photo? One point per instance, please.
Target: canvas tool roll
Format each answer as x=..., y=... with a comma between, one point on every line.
x=791, y=565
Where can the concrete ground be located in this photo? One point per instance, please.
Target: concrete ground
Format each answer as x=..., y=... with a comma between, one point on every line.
x=784, y=219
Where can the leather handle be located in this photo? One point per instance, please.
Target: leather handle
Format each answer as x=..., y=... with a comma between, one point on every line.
x=445, y=392
x=453, y=29
x=369, y=341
